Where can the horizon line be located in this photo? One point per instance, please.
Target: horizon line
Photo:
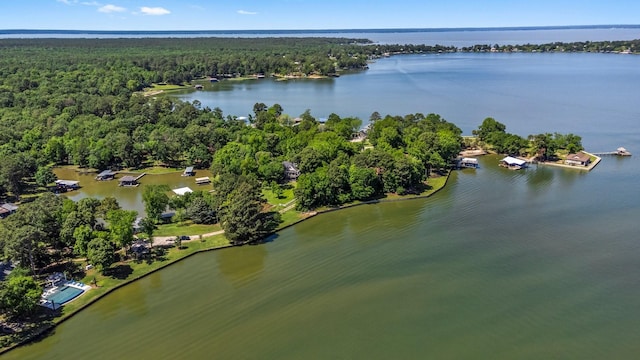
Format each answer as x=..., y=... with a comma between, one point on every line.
x=410, y=29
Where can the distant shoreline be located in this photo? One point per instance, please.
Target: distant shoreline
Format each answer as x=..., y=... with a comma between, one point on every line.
x=307, y=31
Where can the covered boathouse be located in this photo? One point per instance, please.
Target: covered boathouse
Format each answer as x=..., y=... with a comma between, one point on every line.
x=106, y=175
x=188, y=171
x=468, y=163
x=67, y=185
x=512, y=163
x=128, y=181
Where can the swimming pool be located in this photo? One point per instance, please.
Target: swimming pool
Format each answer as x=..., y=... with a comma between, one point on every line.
x=64, y=294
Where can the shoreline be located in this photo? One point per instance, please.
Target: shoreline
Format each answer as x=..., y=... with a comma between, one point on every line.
x=41, y=332
x=589, y=167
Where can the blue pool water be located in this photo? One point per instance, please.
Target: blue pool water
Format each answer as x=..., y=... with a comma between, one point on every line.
x=64, y=295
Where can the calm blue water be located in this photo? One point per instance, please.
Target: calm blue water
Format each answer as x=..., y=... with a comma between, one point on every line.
x=588, y=94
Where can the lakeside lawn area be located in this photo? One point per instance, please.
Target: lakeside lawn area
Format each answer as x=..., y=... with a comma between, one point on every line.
x=287, y=196
x=124, y=272
x=120, y=274
x=160, y=88
x=185, y=228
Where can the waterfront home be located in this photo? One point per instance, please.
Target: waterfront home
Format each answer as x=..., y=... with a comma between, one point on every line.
x=140, y=249
x=128, y=181
x=4, y=213
x=291, y=171
x=188, y=171
x=7, y=209
x=469, y=163
x=181, y=191
x=67, y=185
x=167, y=215
x=580, y=159
x=106, y=175
x=513, y=163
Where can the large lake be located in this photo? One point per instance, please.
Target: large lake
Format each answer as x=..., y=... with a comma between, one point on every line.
x=586, y=94
x=535, y=264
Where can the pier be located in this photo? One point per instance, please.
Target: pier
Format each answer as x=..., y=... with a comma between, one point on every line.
x=619, y=152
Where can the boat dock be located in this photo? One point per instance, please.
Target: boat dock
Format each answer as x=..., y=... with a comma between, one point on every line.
x=619, y=152
x=203, y=180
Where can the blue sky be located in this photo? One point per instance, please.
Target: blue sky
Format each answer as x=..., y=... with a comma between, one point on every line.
x=309, y=14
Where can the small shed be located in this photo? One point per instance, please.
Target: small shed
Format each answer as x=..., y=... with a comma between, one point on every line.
x=181, y=191
x=128, y=180
x=106, y=175
x=513, y=163
x=578, y=159
x=188, y=171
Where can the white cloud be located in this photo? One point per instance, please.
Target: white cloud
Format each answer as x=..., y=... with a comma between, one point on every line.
x=68, y=2
x=111, y=9
x=244, y=12
x=154, y=11
x=91, y=3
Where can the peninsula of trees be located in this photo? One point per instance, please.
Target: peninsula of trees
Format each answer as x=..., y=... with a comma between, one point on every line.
x=78, y=102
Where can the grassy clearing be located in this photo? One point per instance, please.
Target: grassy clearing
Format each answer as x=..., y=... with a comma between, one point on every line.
x=290, y=217
x=185, y=228
x=287, y=196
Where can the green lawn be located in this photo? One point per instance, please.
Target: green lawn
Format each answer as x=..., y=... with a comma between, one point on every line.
x=287, y=195
x=186, y=228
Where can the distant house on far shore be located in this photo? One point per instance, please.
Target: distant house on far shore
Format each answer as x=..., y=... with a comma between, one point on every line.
x=578, y=159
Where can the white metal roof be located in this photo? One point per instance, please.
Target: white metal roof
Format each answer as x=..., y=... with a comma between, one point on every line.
x=182, y=191
x=513, y=161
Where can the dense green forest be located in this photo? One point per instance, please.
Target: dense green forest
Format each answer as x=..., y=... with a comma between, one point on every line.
x=78, y=102
x=630, y=46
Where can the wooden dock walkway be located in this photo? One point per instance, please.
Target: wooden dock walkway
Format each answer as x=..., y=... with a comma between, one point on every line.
x=619, y=152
